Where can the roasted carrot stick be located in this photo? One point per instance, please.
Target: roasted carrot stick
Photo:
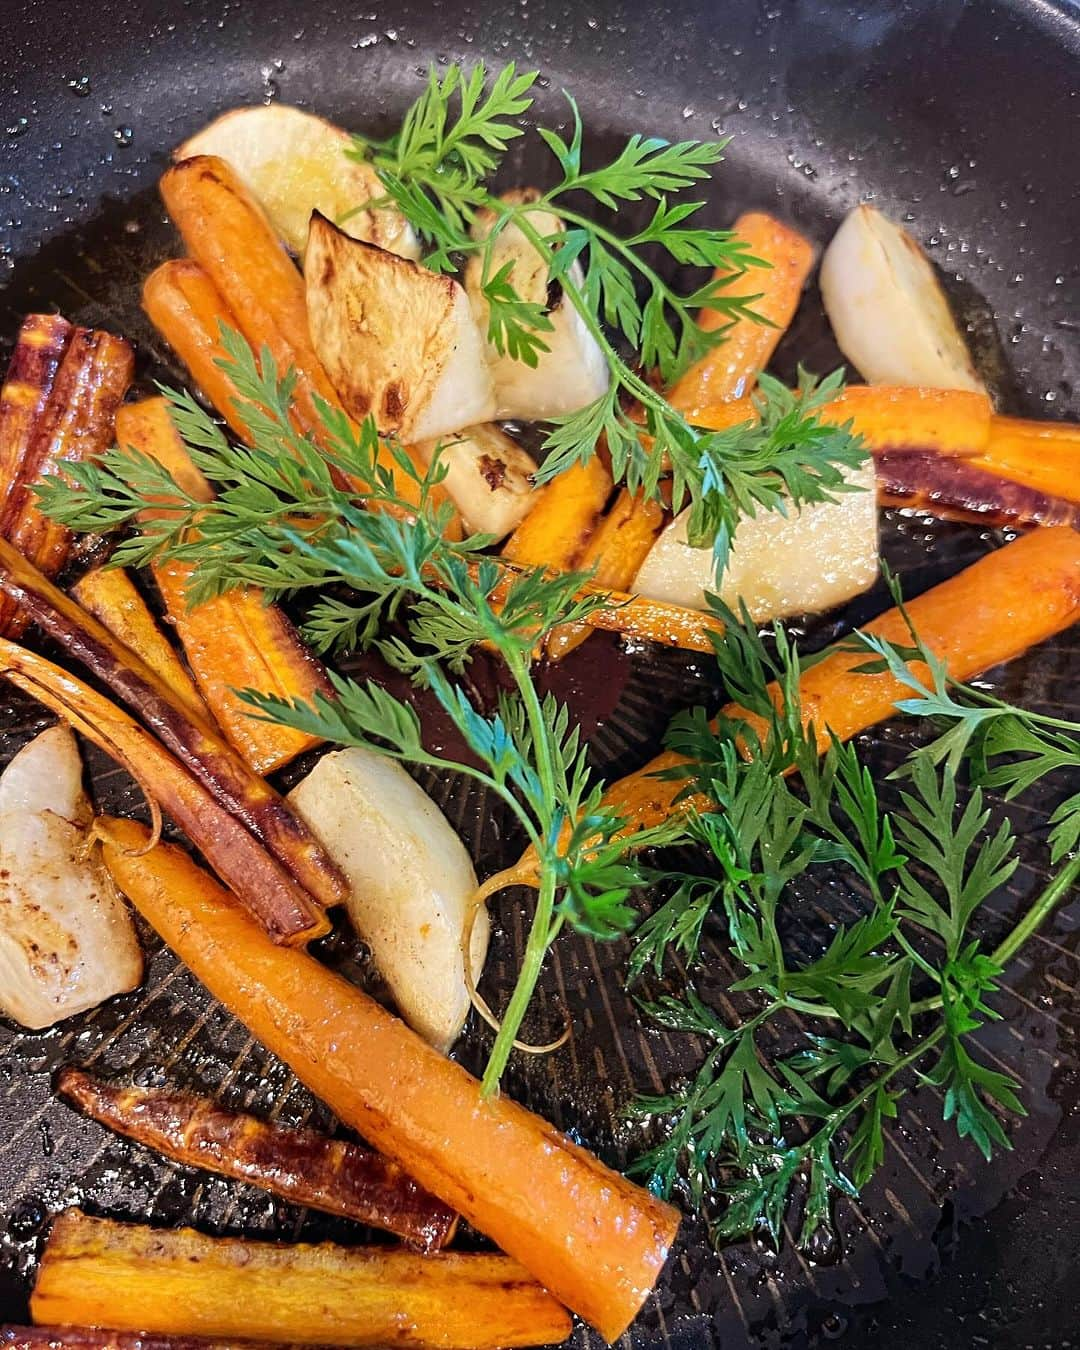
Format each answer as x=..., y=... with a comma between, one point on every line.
x=948, y=421
x=233, y=641
x=618, y=547
x=77, y=423
x=109, y=594
x=1043, y=456
x=729, y=371
x=994, y=610
x=591, y=1237
x=144, y=1279
x=226, y=231
x=286, y=911
x=303, y=1166
x=43, y=339
x=195, y=741
x=957, y=488
x=186, y=308
x=558, y=527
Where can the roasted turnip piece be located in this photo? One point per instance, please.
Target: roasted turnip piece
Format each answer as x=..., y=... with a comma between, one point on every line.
x=488, y=478
x=887, y=308
x=410, y=881
x=573, y=371
x=296, y=163
x=805, y=562
x=67, y=941
x=396, y=340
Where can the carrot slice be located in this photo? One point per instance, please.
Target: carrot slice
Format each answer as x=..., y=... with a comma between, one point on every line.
x=303, y=1166
x=276, y=900
x=558, y=527
x=137, y=1278
x=729, y=370
x=591, y=1237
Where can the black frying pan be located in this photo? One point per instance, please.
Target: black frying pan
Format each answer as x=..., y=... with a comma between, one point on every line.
x=962, y=119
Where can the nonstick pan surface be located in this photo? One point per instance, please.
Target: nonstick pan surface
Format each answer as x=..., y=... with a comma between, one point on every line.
x=961, y=119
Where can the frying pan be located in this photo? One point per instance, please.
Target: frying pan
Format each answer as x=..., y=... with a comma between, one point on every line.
x=963, y=120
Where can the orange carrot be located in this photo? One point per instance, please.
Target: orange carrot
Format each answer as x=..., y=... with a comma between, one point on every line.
x=229, y=236
x=261, y=884
x=109, y=594
x=729, y=370
x=138, y=1278
x=1044, y=456
x=558, y=527
x=186, y=308
x=591, y=1237
x=617, y=549
x=77, y=423
x=991, y=612
x=948, y=421
x=233, y=641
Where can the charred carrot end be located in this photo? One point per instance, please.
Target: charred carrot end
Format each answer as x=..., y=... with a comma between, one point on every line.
x=77, y=424
x=557, y=529
x=730, y=370
x=277, y=902
x=1013, y=599
x=588, y=1235
x=183, y=1283
x=187, y=309
x=39, y=349
x=195, y=741
x=109, y=594
x=302, y=1166
x=616, y=550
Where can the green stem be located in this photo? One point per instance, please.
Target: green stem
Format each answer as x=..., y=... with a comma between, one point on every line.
x=543, y=927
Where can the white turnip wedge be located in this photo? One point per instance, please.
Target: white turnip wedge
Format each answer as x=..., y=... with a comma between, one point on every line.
x=573, y=372
x=802, y=563
x=887, y=309
x=489, y=478
x=397, y=341
x=67, y=941
x=410, y=883
x=294, y=163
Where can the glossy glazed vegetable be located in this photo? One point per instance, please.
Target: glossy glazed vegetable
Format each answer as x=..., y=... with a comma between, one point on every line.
x=67, y=942
x=573, y=372
x=280, y=905
x=594, y=1239
x=397, y=341
x=730, y=370
x=488, y=478
x=302, y=1166
x=76, y=423
x=294, y=163
x=802, y=562
x=887, y=309
x=183, y=1283
x=410, y=883
x=195, y=741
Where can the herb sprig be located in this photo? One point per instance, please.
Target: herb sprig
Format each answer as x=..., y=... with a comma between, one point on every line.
x=282, y=520
x=437, y=170
x=752, y=1126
